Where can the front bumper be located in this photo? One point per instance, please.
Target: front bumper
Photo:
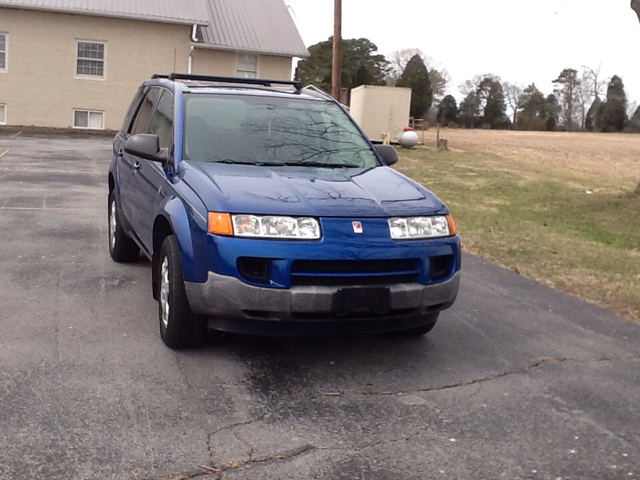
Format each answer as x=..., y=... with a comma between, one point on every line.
x=236, y=306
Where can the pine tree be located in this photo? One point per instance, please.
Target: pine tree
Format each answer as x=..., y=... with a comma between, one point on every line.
x=612, y=115
x=416, y=77
x=532, y=115
x=634, y=123
x=470, y=109
x=448, y=111
x=551, y=112
x=566, y=86
x=361, y=64
x=495, y=108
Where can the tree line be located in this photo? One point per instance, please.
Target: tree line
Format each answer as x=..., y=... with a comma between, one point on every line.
x=581, y=99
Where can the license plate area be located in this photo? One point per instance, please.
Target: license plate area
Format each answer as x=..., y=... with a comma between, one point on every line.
x=370, y=300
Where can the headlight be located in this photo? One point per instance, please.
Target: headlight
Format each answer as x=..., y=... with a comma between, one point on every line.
x=421, y=227
x=302, y=228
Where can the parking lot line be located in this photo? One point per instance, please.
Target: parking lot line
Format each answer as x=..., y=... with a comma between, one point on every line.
x=48, y=209
x=16, y=135
x=42, y=170
x=4, y=153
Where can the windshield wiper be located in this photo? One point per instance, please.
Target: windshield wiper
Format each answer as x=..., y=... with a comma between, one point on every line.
x=230, y=161
x=320, y=165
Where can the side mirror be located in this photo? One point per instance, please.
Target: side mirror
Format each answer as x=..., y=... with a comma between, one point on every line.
x=144, y=146
x=388, y=154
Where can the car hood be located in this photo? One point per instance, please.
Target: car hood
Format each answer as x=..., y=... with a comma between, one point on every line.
x=306, y=191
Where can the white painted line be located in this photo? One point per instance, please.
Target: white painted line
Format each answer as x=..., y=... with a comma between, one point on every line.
x=16, y=135
x=42, y=170
x=49, y=209
x=4, y=153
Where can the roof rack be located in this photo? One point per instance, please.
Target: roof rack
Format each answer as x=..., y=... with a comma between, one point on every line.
x=264, y=82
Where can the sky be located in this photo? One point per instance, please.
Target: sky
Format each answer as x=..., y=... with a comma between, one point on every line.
x=522, y=42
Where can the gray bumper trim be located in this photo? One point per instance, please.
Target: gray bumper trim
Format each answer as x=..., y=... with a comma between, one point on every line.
x=224, y=296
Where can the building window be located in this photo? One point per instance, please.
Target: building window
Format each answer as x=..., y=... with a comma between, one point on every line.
x=247, y=66
x=3, y=114
x=90, y=59
x=4, y=49
x=88, y=119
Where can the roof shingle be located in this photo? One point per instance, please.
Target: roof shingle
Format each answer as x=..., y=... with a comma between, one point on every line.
x=165, y=11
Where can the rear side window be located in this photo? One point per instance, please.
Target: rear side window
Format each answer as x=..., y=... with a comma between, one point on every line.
x=132, y=109
x=162, y=120
x=141, y=123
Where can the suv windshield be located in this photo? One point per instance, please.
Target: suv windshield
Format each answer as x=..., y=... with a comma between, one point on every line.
x=257, y=130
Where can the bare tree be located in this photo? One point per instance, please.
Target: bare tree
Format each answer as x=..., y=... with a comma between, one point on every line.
x=438, y=75
x=512, y=94
x=478, y=88
x=631, y=109
x=584, y=95
x=597, y=84
x=398, y=61
x=440, y=80
x=471, y=86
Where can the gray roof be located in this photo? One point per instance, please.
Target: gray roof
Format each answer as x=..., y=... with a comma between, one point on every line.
x=260, y=26
x=165, y=11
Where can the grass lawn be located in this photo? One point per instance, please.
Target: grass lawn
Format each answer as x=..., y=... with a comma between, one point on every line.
x=535, y=204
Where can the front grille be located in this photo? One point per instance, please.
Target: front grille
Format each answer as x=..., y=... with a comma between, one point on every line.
x=354, y=272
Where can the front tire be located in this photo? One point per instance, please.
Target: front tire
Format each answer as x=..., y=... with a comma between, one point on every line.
x=121, y=248
x=431, y=320
x=179, y=327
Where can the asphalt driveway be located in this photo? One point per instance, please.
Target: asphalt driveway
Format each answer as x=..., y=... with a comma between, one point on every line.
x=517, y=381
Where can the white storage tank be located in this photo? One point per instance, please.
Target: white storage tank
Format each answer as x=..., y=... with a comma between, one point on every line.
x=381, y=110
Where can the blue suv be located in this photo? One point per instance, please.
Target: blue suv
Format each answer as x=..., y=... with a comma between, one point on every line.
x=264, y=208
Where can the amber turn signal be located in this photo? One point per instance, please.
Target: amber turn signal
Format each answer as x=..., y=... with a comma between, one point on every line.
x=452, y=225
x=220, y=223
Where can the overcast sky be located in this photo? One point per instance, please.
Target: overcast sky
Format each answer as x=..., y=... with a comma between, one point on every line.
x=522, y=42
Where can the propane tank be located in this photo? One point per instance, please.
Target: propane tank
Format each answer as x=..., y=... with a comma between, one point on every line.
x=408, y=139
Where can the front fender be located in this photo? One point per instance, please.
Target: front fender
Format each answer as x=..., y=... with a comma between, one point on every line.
x=174, y=211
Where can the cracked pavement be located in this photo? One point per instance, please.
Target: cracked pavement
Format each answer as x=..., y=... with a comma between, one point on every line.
x=516, y=381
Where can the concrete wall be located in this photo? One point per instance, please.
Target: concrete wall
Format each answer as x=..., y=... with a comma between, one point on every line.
x=219, y=62
x=41, y=87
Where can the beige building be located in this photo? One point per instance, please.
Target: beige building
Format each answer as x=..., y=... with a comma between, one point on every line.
x=77, y=63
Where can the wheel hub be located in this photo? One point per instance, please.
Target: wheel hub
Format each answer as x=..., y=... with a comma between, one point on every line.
x=112, y=225
x=164, y=292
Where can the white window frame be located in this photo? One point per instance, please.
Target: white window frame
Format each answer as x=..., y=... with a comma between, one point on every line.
x=82, y=76
x=3, y=118
x=88, y=112
x=6, y=52
x=238, y=71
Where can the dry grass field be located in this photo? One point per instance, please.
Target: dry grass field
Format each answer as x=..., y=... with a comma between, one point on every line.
x=613, y=155
x=556, y=207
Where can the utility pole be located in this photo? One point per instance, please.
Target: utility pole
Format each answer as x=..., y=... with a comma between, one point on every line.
x=336, y=73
